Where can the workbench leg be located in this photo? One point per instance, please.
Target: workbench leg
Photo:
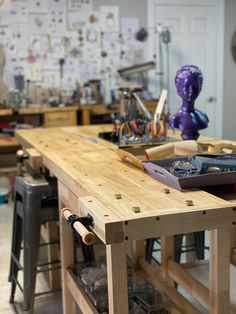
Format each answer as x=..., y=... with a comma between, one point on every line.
x=219, y=271
x=117, y=278
x=67, y=260
x=167, y=252
x=138, y=251
x=86, y=119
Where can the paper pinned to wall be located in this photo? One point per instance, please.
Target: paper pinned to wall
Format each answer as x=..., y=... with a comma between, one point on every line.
x=34, y=73
x=92, y=30
x=19, y=34
x=92, y=36
x=90, y=71
x=58, y=49
x=38, y=6
x=11, y=48
x=4, y=32
x=57, y=21
x=51, y=65
x=4, y=18
x=50, y=78
x=80, y=5
x=109, y=18
x=5, y=5
x=129, y=26
x=19, y=12
x=38, y=23
x=76, y=20
x=71, y=66
x=57, y=5
x=35, y=43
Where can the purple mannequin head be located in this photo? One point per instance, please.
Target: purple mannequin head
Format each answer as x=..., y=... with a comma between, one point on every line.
x=188, y=82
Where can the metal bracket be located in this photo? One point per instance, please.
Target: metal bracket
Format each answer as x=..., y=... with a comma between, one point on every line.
x=86, y=221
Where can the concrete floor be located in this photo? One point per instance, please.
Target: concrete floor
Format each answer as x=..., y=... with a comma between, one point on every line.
x=47, y=304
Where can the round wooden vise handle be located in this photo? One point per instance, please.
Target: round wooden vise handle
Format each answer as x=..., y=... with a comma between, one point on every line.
x=87, y=236
x=19, y=155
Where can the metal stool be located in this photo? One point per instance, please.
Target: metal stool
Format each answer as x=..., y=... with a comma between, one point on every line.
x=35, y=204
x=198, y=246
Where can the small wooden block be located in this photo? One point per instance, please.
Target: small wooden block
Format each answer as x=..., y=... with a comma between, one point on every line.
x=118, y=196
x=136, y=209
x=189, y=202
x=35, y=158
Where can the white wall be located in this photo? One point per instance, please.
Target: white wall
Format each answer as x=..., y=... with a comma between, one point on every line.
x=229, y=106
x=128, y=8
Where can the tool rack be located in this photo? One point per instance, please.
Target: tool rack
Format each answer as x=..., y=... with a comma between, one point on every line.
x=90, y=175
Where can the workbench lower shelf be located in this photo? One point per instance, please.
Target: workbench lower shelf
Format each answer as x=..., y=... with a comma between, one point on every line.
x=87, y=282
x=76, y=289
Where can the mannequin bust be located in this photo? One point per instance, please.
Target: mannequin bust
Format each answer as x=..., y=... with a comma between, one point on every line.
x=188, y=82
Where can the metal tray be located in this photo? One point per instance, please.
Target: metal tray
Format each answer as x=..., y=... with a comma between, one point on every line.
x=109, y=136
x=159, y=169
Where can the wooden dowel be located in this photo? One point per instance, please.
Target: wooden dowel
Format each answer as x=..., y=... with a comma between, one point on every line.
x=195, y=288
x=180, y=302
x=160, y=152
x=181, y=148
x=87, y=236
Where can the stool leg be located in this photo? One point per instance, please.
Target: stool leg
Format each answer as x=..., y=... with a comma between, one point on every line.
x=178, y=246
x=149, y=249
x=31, y=250
x=31, y=238
x=199, y=238
x=13, y=240
x=16, y=248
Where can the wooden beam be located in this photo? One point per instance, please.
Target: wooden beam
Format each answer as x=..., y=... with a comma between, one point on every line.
x=117, y=278
x=138, y=251
x=167, y=252
x=219, y=271
x=86, y=119
x=35, y=160
x=67, y=260
x=179, y=301
x=196, y=289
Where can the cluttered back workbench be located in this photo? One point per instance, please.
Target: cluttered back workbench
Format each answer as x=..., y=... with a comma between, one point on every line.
x=125, y=204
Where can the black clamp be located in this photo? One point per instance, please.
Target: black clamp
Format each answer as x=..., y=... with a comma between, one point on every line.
x=22, y=157
x=86, y=221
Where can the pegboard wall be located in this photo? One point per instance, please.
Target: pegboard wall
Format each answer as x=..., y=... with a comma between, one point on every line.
x=36, y=34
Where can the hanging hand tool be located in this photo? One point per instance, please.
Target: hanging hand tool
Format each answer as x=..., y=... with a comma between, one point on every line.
x=141, y=104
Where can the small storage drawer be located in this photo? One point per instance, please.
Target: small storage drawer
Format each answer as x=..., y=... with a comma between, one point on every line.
x=60, y=118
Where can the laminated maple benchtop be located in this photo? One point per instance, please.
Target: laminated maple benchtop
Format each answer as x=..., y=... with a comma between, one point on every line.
x=127, y=204
x=72, y=155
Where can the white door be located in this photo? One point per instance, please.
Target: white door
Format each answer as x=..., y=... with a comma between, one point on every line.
x=195, y=36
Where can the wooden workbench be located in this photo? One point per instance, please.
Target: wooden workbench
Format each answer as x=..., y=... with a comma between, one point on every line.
x=52, y=116
x=67, y=116
x=90, y=175
x=87, y=111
